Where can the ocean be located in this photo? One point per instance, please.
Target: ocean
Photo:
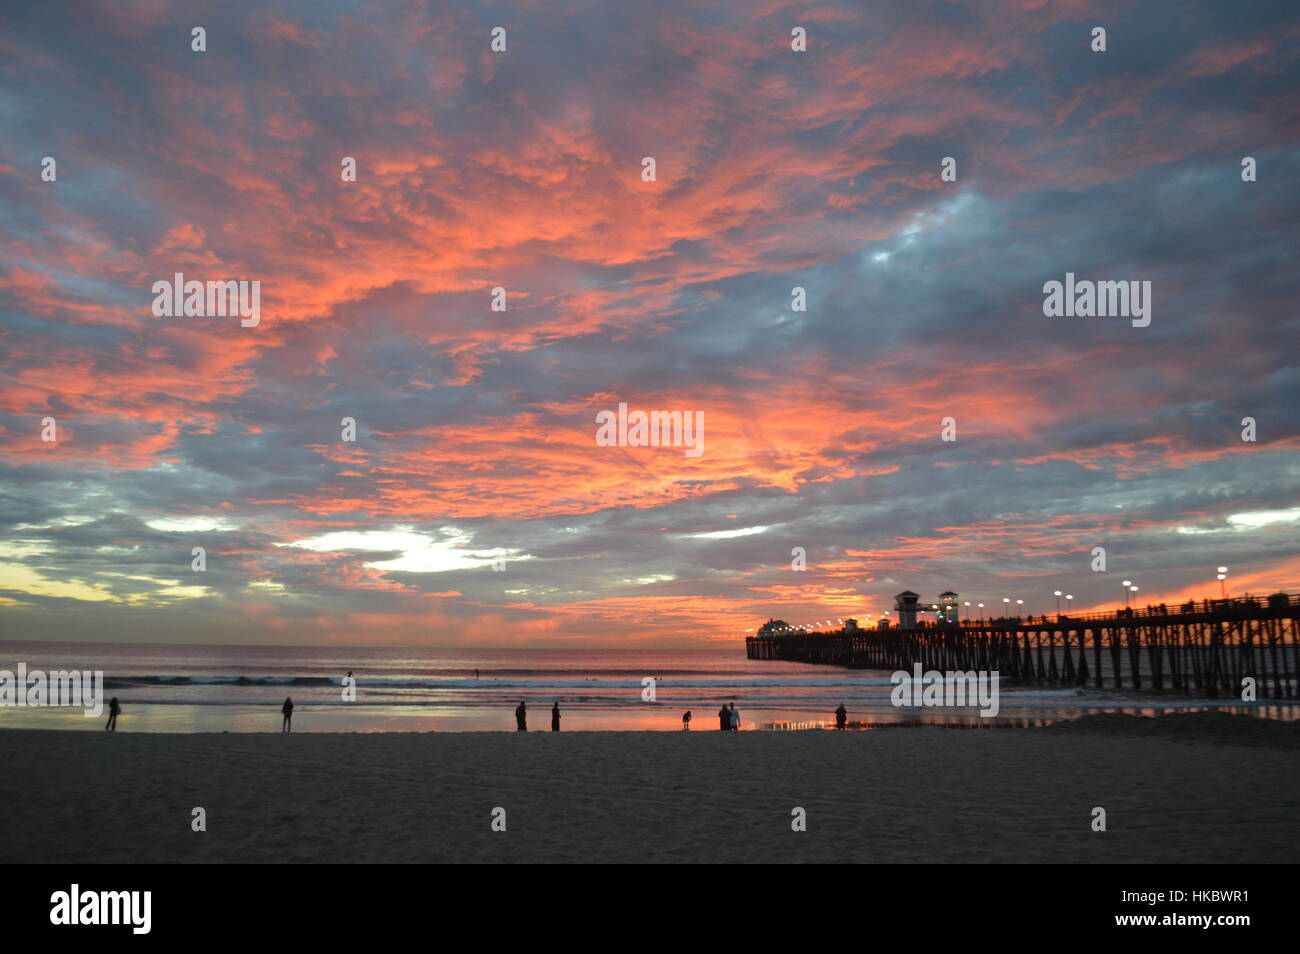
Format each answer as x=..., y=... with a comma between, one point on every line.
x=175, y=688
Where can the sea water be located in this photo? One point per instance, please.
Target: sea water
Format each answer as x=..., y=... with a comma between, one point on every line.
x=175, y=688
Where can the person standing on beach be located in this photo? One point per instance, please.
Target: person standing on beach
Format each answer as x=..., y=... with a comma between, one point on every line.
x=686, y=721
x=841, y=717
x=113, y=711
x=521, y=718
x=724, y=718
x=287, y=711
x=475, y=673
x=735, y=719
x=555, y=716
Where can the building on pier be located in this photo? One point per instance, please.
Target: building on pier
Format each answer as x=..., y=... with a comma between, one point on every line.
x=948, y=607
x=905, y=606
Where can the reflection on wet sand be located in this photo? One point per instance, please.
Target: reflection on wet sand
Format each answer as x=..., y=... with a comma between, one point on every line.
x=948, y=720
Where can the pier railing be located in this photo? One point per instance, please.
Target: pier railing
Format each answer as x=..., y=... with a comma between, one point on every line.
x=1207, y=648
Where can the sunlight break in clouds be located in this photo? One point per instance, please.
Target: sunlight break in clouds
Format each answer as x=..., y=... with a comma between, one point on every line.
x=419, y=553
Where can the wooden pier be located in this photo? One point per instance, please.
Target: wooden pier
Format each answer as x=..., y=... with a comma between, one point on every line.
x=1201, y=649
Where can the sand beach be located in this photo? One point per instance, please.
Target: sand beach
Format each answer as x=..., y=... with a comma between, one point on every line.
x=1199, y=787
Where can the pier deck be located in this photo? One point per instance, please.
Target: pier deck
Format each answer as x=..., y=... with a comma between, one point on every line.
x=1204, y=649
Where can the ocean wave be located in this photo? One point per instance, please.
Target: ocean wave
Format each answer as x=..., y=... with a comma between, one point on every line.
x=546, y=682
x=118, y=682
x=858, y=707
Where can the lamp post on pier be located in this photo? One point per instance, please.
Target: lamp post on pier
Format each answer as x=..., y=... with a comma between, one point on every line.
x=1057, y=594
x=1223, y=587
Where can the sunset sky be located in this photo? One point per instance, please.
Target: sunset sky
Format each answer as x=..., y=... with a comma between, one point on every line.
x=523, y=169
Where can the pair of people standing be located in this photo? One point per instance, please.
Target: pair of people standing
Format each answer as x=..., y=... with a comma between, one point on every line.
x=521, y=717
x=729, y=718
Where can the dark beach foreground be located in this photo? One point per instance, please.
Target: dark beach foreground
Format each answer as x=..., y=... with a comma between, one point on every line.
x=1199, y=787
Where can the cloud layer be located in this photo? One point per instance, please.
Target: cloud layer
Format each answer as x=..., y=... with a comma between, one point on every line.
x=475, y=428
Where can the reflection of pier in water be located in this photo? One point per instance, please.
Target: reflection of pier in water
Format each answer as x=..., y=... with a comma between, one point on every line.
x=1204, y=649
x=948, y=720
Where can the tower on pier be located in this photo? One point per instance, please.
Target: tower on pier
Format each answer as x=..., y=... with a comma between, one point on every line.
x=905, y=606
x=948, y=607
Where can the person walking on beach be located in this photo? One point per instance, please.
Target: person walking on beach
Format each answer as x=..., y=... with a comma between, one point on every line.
x=841, y=717
x=555, y=716
x=521, y=718
x=287, y=711
x=735, y=719
x=686, y=721
x=724, y=718
x=113, y=711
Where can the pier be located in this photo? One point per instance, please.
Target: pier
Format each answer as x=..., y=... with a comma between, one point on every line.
x=1200, y=649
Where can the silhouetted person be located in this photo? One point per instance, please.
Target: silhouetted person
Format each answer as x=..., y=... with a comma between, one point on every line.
x=113, y=711
x=841, y=717
x=475, y=673
x=734, y=718
x=724, y=718
x=521, y=718
x=287, y=711
x=686, y=721
x=555, y=717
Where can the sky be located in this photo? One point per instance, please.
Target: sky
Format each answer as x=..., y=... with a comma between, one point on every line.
x=476, y=429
